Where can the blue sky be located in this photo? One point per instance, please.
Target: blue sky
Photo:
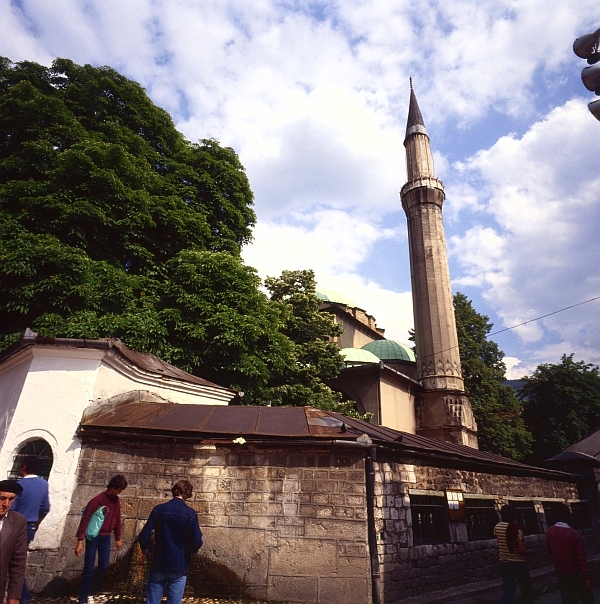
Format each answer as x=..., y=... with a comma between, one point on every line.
x=313, y=96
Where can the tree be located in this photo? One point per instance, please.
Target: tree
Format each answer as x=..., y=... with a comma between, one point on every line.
x=497, y=410
x=113, y=225
x=318, y=358
x=561, y=404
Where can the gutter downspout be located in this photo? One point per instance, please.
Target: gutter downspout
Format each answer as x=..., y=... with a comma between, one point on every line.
x=373, y=554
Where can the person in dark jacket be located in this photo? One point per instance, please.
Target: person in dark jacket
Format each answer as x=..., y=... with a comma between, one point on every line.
x=177, y=537
x=33, y=503
x=108, y=499
x=13, y=544
x=566, y=547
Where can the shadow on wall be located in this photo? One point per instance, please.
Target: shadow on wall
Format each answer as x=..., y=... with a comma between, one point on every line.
x=128, y=575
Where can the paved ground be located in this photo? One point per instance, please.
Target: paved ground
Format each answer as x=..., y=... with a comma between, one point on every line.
x=545, y=592
x=544, y=583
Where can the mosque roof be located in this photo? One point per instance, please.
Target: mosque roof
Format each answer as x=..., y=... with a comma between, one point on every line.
x=390, y=350
x=330, y=295
x=415, y=122
x=358, y=355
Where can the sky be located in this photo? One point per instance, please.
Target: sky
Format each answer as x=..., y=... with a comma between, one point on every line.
x=313, y=96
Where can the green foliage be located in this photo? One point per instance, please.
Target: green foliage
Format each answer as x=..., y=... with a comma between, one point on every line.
x=113, y=225
x=496, y=408
x=317, y=358
x=561, y=405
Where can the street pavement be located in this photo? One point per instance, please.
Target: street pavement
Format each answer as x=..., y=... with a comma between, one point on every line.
x=545, y=589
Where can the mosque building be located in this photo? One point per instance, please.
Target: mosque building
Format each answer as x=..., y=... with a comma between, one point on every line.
x=425, y=395
x=295, y=503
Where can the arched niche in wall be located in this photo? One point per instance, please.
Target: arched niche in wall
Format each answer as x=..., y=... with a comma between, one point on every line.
x=36, y=447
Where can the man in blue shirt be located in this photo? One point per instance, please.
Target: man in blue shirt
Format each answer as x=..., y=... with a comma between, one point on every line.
x=33, y=503
x=177, y=537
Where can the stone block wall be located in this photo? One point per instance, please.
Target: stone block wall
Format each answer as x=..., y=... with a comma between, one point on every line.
x=287, y=524
x=409, y=570
x=283, y=525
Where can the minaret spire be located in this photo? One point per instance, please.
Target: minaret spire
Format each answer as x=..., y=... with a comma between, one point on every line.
x=443, y=409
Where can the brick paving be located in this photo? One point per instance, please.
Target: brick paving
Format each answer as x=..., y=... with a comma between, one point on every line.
x=116, y=599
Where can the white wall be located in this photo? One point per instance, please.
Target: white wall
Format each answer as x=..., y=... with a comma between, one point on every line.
x=43, y=393
x=116, y=377
x=13, y=374
x=57, y=389
x=397, y=405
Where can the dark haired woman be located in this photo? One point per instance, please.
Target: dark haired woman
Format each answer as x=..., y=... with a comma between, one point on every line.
x=109, y=500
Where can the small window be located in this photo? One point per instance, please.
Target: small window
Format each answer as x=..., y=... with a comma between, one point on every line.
x=429, y=519
x=37, y=448
x=580, y=515
x=527, y=517
x=482, y=517
x=549, y=507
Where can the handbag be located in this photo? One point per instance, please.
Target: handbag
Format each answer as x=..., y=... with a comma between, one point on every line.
x=95, y=523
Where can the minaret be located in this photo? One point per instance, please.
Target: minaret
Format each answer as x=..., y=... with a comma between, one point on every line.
x=443, y=410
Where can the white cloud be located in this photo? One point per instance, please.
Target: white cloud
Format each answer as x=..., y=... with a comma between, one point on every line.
x=543, y=192
x=313, y=96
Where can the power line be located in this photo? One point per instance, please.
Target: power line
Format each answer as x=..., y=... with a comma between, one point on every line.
x=519, y=325
x=544, y=316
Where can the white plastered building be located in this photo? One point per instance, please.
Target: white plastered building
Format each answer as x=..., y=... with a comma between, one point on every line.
x=48, y=384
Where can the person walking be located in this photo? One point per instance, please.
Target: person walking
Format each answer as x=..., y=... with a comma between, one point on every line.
x=513, y=567
x=177, y=537
x=13, y=544
x=32, y=502
x=565, y=545
x=109, y=502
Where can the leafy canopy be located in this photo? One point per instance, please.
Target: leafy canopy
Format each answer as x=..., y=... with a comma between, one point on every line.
x=561, y=404
x=496, y=408
x=113, y=225
x=317, y=358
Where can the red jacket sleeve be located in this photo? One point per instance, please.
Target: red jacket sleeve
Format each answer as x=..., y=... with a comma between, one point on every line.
x=90, y=508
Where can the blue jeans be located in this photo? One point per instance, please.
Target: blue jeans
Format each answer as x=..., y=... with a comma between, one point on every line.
x=31, y=529
x=174, y=582
x=513, y=572
x=100, y=544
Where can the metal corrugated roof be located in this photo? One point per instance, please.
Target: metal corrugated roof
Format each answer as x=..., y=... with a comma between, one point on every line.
x=287, y=423
x=295, y=422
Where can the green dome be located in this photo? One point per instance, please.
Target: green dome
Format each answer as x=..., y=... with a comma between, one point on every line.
x=358, y=355
x=328, y=295
x=389, y=350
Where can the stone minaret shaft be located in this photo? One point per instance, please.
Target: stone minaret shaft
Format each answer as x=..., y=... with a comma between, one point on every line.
x=443, y=410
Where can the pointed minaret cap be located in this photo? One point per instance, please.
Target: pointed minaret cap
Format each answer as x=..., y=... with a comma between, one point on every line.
x=415, y=119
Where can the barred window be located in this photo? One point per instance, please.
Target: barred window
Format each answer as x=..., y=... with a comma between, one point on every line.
x=482, y=517
x=580, y=515
x=37, y=448
x=549, y=507
x=429, y=519
x=527, y=517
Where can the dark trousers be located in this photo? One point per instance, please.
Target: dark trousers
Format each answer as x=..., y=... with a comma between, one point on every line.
x=100, y=544
x=573, y=585
x=513, y=573
x=31, y=529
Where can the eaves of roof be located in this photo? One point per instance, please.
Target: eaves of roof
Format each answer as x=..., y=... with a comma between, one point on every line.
x=340, y=308
x=147, y=362
x=380, y=368
x=286, y=426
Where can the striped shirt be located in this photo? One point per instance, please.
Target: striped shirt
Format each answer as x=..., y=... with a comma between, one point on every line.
x=505, y=553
